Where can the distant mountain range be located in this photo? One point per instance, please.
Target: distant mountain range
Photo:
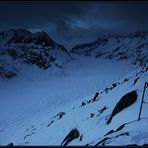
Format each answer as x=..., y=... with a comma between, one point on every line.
x=88, y=96
x=133, y=47
x=19, y=47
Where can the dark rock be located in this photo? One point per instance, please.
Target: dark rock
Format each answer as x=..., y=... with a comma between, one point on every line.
x=102, y=110
x=23, y=36
x=124, y=102
x=10, y=144
x=135, y=81
x=60, y=114
x=91, y=115
x=81, y=137
x=95, y=97
x=83, y=103
x=50, y=123
x=123, y=57
x=116, y=49
x=5, y=73
x=102, y=141
x=125, y=80
x=57, y=65
x=26, y=136
x=110, y=132
x=127, y=134
x=88, y=101
x=109, y=57
x=73, y=134
x=12, y=53
x=120, y=128
x=106, y=90
x=114, y=85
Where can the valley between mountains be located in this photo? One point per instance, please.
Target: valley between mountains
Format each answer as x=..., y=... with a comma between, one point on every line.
x=89, y=95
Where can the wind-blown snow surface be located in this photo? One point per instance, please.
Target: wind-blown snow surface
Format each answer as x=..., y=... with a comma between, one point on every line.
x=29, y=103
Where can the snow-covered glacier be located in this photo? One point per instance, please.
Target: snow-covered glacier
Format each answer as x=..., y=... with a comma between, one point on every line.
x=51, y=96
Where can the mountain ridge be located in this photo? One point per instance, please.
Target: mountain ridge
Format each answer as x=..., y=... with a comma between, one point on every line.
x=90, y=96
x=22, y=47
x=118, y=46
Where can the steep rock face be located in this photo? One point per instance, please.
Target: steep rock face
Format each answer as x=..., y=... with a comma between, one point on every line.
x=22, y=47
x=73, y=134
x=132, y=47
x=124, y=102
x=23, y=36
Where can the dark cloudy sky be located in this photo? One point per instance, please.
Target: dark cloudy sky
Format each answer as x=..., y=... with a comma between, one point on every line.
x=74, y=22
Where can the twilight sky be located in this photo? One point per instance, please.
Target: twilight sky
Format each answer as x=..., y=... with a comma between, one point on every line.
x=69, y=23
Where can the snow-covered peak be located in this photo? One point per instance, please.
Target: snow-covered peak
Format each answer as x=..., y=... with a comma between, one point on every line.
x=131, y=47
x=127, y=35
x=92, y=100
x=20, y=47
x=23, y=36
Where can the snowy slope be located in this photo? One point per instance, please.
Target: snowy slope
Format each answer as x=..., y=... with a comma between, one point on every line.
x=41, y=106
x=20, y=48
x=129, y=47
x=82, y=79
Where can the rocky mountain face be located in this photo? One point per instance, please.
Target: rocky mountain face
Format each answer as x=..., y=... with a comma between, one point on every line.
x=21, y=47
x=94, y=102
x=132, y=47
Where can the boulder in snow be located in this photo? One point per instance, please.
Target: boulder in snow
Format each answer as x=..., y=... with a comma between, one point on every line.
x=73, y=134
x=124, y=102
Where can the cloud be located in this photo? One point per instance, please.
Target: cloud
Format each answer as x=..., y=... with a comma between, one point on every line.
x=74, y=21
